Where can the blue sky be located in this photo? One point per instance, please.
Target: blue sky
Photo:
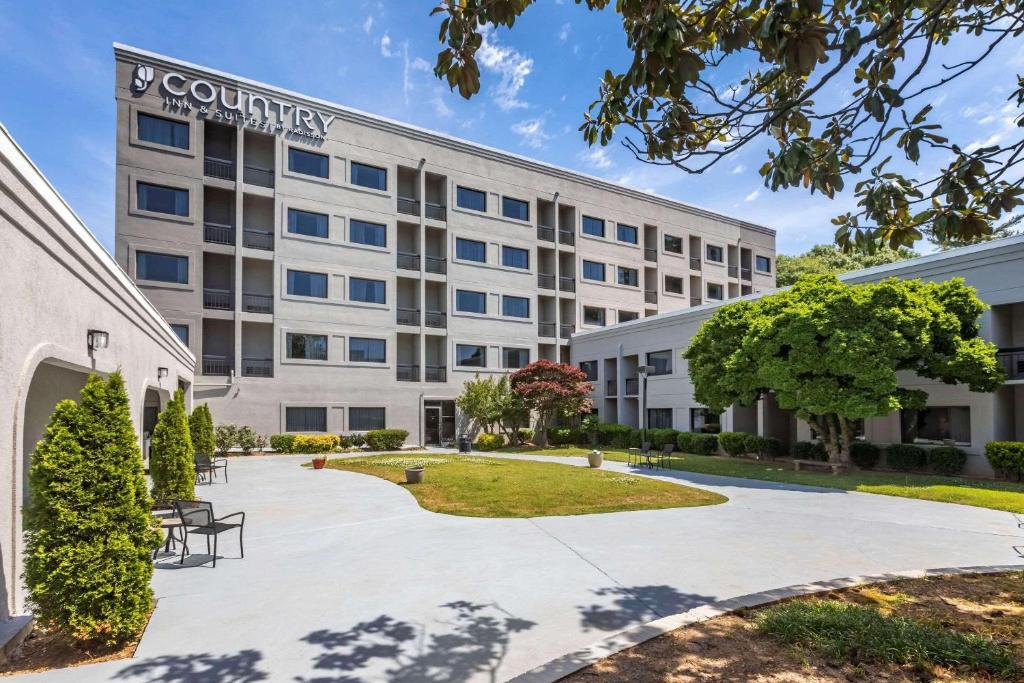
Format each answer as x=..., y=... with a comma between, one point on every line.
x=56, y=76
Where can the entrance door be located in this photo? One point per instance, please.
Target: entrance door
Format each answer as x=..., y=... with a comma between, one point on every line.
x=432, y=425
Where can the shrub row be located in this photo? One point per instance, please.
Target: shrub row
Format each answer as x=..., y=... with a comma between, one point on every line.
x=900, y=457
x=741, y=443
x=698, y=443
x=489, y=442
x=315, y=443
x=227, y=436
x=376, y=439
x=386, y=439
x=1006, y=458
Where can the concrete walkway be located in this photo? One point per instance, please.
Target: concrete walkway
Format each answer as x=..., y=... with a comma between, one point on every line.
x=347, y=579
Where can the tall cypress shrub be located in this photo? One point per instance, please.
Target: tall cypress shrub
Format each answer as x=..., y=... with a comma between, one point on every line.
x=200, y=427
x=88, y=528
x=171, y=456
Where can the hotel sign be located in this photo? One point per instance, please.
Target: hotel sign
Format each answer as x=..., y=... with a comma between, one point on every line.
x=234, y=105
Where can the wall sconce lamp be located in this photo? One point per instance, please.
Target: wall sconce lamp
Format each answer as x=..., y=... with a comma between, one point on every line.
x=98, y=339
x=161, y=373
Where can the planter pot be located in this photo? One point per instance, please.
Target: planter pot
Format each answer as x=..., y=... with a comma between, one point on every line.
x=318, y=463
x=413, y=475
x=595, y=458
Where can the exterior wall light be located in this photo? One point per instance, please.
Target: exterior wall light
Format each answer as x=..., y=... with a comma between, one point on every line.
x=98, y=339
x=161, y=373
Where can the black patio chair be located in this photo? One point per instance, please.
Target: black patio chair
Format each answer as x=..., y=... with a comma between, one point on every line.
x=206, y=467
x=197, y=518
x=666, y=451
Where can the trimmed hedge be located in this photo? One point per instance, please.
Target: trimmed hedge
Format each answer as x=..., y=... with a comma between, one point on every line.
x=1006, y=458
x=282, y=443
x=865, y=455
x=386, y=439
x=489, y=442
x=810, y=450
x=612, y=434
x=525, y=435
x=697, y=443
x=946, y=460
x=563, y=436
x=660, y=438
x=733, y=443
x=314, y=443
x=764, y=446
x=904, y=457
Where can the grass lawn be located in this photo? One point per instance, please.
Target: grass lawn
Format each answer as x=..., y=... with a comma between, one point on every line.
x=995, y=495
x=476, y=486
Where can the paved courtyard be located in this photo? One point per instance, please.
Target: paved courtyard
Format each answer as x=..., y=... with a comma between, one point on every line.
x=347, y=579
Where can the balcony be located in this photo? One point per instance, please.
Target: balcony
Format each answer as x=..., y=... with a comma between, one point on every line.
x=218, y=365
x=407, y=372
x=565, y=331
x=611, y=388
x=219, y=168
x=258, y=239
x=436, y=373
x=408, y=261
x=651, y=254
x=567, y=284
x=435, y=211
x=1012, y=361
x=745, y=273
x=545, y=281
x=436, y=319
x=218, y=299
x=546, y=329
x=435, y=264
x=256, y=175
x=734, y=271
x=566, y=237
x=651, y=296
x=545, y=233
x=219, y=233
x=409, y=206
x=632, y=386
x=257, y=367
x=257, y=303
x=407, y=316
x=694, y=263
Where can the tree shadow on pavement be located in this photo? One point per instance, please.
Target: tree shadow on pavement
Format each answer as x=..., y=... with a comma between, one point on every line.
x=625, y=606
x=472, y=641
x=197, y=668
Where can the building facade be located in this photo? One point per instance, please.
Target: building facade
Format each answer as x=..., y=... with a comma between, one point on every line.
x=336, y=271
x=996, y=269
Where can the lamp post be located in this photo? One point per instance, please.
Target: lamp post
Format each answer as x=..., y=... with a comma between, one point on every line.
x=643, y=371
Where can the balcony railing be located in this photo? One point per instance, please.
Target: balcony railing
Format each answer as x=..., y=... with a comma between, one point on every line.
x=546, y=329
x=406, y=372
x=567, y=284
x=734, y=271
x=257, y=303
x=566, y=237
x=611, y=388
x=219, y=233
x=744, y=273
x=218, y=299
x=694, y=263
x=565, y=331
x=545, y=233
x=436, y=373
x=435, y=264
x=256, y=175
x=257, y=367
x=545, y=281
x=219, y=168
x=258, y=239
x=218, y=365
x=436, y=212
x=695, y=301
x=651, y=296
x=436, y=319
x=650, y=254
x=632, y=386
x=408, y=261
x=409, y=206
x=1013, y=362
x=408, y=316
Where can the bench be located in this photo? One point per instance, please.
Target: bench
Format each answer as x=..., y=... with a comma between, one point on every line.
x=836, y=467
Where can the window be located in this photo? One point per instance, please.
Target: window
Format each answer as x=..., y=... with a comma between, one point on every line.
x=714, y=253
x=626, y=233
x=470, y=250
x=626, y=316
x=367, y=291
x=307, y=223
x=661, y=361
x=936, y=424
x=593, y=271
x=659, y=418
x=467, y=301
x=369, y=176
x=181, y=331
x=515, y=208
x=161, y=267
x=365, y=419
x=364, y=350
x=673, y=244
x=514, y=257
x=162, y=199
x=589, y=368
x=308, y=163
x=703, y=420
x=593, y=316
x=763, y=264
x=306, y=346
x=593, y=226
x=515, y=306
x=515, y=358
x=628, y=277
x=302, y=283
x=305, y=419
x=163, y=131
x=715, y=291
x=468, y=198
x=470, y=356
x=673, y=284
x=362, y=232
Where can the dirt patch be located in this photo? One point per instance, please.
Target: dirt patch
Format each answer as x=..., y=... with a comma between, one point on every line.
x=46, y=650
x=729, y=648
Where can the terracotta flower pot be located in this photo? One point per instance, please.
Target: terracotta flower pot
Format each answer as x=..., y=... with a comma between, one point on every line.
x=318, y=463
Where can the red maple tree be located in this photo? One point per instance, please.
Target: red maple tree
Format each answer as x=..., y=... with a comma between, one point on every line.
x=551, y=389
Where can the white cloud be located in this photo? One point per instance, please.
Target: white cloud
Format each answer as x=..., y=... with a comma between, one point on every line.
x=368, y=24
x=752, y=196
x=385, y=46
x=740, y=168
x=531, y=132
x=510, y=65
x=563, y=34
x=597, y=158
x=420, y=64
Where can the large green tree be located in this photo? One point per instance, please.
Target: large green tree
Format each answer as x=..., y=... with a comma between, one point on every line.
x=171, y=454
x=827, y=259
x=831, y=351
x=88, y=528
x=835, y=89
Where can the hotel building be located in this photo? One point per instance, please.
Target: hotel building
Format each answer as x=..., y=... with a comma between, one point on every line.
x=337, y=271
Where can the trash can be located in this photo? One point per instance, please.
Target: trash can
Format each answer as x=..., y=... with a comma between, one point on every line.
x=465, y=445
